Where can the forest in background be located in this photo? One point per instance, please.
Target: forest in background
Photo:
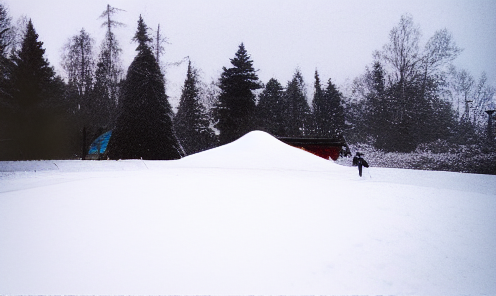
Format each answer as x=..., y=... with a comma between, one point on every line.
x=410, y=103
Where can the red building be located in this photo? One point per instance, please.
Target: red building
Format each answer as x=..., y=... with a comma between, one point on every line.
x=324, y=147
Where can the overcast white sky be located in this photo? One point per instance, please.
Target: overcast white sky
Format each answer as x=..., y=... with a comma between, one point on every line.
x=335, y=37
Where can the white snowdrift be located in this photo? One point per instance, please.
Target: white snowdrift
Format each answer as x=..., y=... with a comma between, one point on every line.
x=259, y=150
x=252, y=217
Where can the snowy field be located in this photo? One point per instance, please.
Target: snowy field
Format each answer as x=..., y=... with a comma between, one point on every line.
x=252, y=217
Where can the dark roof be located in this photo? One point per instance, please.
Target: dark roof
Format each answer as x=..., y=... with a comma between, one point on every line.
x=314, y=141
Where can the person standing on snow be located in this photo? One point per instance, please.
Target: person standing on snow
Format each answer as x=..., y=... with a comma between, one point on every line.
x=359, y=161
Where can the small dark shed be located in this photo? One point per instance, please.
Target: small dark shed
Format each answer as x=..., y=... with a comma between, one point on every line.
x=323, y=147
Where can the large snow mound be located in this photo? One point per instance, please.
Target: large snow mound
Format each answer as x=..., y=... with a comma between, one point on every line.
x=260, y=150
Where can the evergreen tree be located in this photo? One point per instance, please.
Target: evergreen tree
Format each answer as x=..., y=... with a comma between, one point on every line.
x=141, y=37
x=144, y=126
x=191, y=121
x=32, y=70
x=100, y=100
x=334, y=123
x=297, y=115
x=318, y=105
x=355, y=129
x=270, y=108
x=36, y=96
x=236, y=104
x=328, y=111
x=377, y=116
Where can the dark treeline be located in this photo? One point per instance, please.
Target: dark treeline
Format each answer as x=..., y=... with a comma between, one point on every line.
x=410, y=97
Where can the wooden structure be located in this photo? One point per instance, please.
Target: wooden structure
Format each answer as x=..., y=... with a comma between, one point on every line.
x=324, y=147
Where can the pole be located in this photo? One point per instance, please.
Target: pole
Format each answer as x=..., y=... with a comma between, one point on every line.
x=83, y=154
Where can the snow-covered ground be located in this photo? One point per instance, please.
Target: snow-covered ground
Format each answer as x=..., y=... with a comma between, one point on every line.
x=252, y=217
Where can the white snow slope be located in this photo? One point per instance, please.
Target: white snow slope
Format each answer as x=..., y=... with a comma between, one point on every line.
x=252, y=217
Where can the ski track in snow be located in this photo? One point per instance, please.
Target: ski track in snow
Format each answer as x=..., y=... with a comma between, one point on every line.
x=252, y=217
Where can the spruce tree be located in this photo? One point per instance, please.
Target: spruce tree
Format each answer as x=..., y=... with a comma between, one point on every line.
x=191, y=121
x=297, y=116
x=100, y=100
x=144, y=126
x=270, y=108
x=334, y=121
x=320, y=108
x=36, y=93
x=32, y=70
x=377, y=116
x=236, y=104
x=328, y=113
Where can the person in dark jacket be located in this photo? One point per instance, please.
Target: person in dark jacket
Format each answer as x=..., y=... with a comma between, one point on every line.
x=359, y=161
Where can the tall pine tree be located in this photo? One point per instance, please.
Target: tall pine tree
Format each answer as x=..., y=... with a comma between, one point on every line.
x=328, y=113
x=144, y=126
x=335, y=120
x=320, y=108
x=378, y=119
x=297, y=116
x=236, y=104
x=36, y=93
x=100, y=101
x=270, y=109
x=191, y=121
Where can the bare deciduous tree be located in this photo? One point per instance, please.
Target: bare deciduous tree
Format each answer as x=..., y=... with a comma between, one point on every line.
x=110, y=51
x=78, y=61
